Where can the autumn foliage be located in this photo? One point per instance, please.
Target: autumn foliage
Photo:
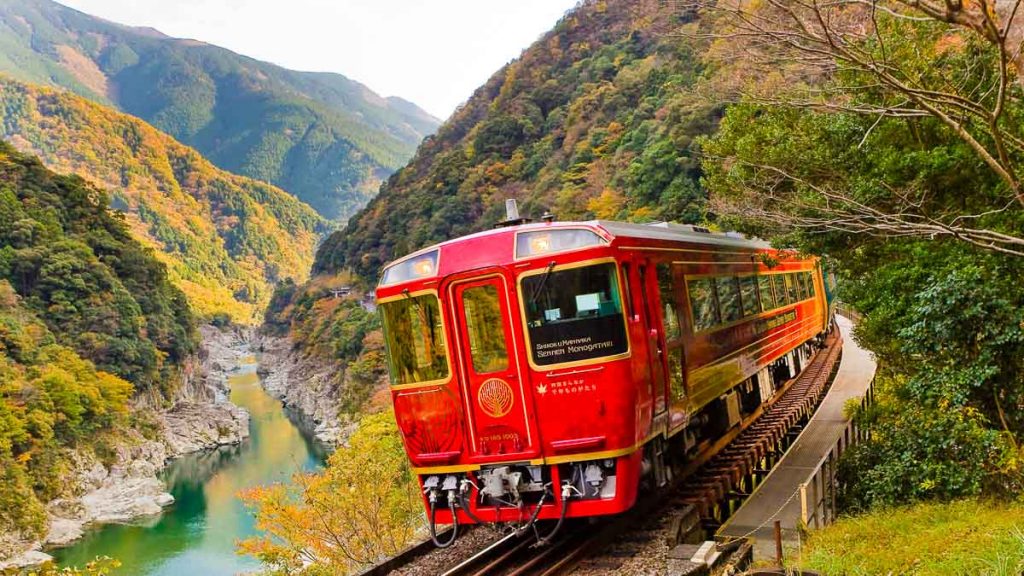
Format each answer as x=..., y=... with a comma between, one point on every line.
x=87, y=318
x=363, y=507
x=596, y=119
x=225, y=239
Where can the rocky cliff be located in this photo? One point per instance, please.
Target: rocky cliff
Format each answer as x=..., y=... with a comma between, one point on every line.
x=126, y=485
x=308, y=384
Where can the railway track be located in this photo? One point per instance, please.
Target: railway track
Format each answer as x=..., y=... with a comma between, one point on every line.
x=703, y=496
x=515, y=556
x=718, y=487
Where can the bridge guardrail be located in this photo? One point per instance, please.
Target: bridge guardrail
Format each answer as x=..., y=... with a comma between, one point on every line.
x=844, y=310
x=818, y=506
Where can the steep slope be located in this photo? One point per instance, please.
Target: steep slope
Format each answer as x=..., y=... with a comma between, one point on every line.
x=322, y=137
x=224, y=238
x=87, y=316
x=73, y=263
x=597, y=118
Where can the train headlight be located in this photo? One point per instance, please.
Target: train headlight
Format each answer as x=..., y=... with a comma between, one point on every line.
x=536, y=243
x=540, y=244
x=423, y=267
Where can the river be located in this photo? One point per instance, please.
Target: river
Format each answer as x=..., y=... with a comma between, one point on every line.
x=197, y=535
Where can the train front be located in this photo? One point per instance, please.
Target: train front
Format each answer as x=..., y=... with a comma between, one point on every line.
x=511, y=375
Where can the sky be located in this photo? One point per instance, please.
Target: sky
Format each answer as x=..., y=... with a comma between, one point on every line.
x=432, y=52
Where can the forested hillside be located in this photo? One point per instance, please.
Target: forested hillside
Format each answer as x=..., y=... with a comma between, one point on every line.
x=901, y=166
x=322, y=137
x=886, y=138
x=225, y=238
x=595, y=119
x=87, y=315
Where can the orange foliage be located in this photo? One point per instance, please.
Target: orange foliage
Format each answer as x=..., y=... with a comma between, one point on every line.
x=363, y=507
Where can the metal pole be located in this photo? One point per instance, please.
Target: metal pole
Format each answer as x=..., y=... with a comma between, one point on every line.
x=778, y=542
x=804, y=516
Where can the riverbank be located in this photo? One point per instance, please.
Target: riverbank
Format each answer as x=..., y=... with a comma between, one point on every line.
x=307, y=384
x=200, y=533
x=125, y=485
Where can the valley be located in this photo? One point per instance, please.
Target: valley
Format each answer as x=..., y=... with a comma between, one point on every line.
x=194, y=377
x=324, y=138
x=200, y=530
x=225, y=239
x=169, y=498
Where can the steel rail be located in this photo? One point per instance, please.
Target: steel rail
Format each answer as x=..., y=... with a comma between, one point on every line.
x=722, y=478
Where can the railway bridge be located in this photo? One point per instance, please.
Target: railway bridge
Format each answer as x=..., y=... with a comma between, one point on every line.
x=798, y=489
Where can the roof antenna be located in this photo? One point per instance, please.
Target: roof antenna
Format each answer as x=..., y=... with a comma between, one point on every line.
x=511, y=209
x=512, y=217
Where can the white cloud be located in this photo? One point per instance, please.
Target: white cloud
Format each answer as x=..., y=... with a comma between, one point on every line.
x=434, y=53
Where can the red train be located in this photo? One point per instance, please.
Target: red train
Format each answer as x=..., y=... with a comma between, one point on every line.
x=539, y=371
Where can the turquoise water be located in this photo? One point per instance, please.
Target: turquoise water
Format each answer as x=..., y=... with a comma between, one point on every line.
x=197, y=535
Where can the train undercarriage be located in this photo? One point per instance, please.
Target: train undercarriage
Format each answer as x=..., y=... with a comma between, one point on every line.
x=520, y=495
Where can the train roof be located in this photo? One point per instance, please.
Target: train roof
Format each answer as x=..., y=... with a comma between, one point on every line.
x=479, y=249
x=665, y=231
x=679, y=233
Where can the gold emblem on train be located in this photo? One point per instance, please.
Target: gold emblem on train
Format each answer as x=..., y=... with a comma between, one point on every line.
x=495, y=397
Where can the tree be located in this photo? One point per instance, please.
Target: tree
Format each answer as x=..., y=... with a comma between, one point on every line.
x=363, y=507
x=938, y=72
x=890, y=143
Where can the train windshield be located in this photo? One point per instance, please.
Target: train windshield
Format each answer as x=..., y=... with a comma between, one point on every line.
x=415, y=339
x=574, y=315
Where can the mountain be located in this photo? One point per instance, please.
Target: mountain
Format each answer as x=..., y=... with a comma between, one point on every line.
x=73, y=263
x=224, y=238
x=87, y=316
x=596, y=119
x=326, y=139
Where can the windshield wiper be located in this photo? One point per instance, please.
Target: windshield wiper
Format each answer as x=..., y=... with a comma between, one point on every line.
x=543, y=283
x=424, y=320
x=418, y=305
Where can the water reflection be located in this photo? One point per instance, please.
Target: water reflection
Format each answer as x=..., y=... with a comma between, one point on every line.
x=198, y=535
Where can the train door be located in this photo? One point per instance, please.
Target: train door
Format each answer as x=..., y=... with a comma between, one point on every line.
x=655, y=337
x=500, y=422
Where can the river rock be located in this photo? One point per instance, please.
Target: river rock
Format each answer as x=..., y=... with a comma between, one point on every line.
x=26, y=560
x=190, y=427
x=307, y=384
x=128, y=488
x=63, y=531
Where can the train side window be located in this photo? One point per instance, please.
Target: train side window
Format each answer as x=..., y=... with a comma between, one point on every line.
x=810, y=284
x=781, y=294
x=729, y=298
x=764, y=283
x=675, y=374
x=792, y=292
x=703, y=303
x=668, y=302
x=485, y=328
x=748, y=293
